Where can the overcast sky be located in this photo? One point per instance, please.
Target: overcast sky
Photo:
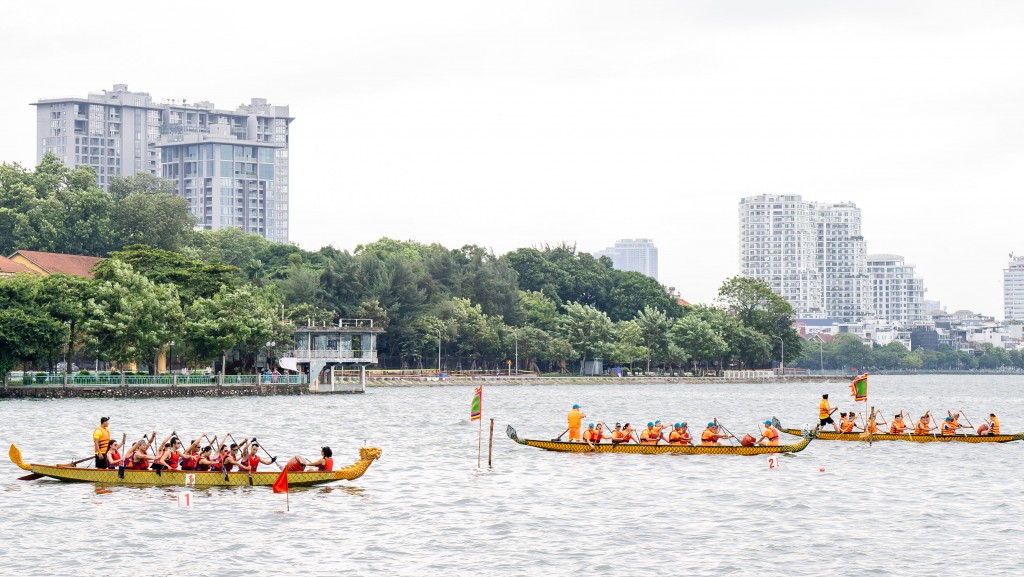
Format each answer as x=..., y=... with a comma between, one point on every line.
x=511, y=124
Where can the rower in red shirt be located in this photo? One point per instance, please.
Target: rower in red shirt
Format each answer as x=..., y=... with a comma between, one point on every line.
x=324, y=463
x=253, y=460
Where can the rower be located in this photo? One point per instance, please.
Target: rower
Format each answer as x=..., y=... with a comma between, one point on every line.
x=253, y=460
x=101, y=442
x=576, y=417
x=924, y=425
x=592, y=435
x=138, y=458
x=650, y=436
x=113, y=456
x=825, y=413
x=206, y=462
x=993, y=424
x=872, y=425
x=162, y=459
x=847, y=423
x=710, y=435
x=898, y=427
x=770, y=436
x=658, y=428
x=949, y=427
x=298, y=463
x=680, y=435
x=618, y=435
x=228, y=460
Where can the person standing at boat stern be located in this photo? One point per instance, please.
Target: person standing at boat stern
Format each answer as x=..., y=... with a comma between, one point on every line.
x=825, y=413
x=101, y=442
x=576, y=417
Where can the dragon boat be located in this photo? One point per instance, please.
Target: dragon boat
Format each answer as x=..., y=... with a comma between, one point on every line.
x=906, y=437
x=367, y=455
x=566, y=447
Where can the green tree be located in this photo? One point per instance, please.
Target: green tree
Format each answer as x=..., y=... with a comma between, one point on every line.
x=129, y=317
x=159, y=220
x=587, y=329
x=753, y=301
x=631, y=292
x=27, y=334
x=121, y=187
x=699, y=340
x=64, y=297
x=537, y=310
x=192, y=278
x=654, y=326
x=235, y=318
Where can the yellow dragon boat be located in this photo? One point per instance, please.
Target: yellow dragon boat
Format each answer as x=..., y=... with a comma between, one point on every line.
x=566, y=447
x=906, y=437
x=367, y=455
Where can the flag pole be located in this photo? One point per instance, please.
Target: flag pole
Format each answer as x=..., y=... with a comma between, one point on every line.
x=480, y=429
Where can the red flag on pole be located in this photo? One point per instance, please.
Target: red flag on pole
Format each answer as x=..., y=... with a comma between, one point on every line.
x=281, y=484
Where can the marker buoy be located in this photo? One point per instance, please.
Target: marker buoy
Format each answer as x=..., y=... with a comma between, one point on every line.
x=821, y=469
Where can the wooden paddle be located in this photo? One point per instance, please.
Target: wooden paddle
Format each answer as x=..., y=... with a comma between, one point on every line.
x=559, y=437
x=961, y=411
x=272, y=458
x=731, y=436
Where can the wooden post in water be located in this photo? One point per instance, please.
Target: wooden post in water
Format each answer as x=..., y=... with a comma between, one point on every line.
x=490, y=444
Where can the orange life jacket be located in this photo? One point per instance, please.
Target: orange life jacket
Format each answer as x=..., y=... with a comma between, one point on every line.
x=846, y=425
x=327, y=466
x=771, y=434
x=709, y=436
x=921, y=429
x=897, y=427
x=948, y=428
x=995, y=426
x=872, y=427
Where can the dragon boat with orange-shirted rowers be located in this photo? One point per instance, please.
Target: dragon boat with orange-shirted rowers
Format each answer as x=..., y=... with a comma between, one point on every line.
x=566, y=447
x=909, y=437
x=367, y=455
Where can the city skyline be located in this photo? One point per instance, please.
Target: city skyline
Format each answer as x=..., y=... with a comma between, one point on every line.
x=571, y=133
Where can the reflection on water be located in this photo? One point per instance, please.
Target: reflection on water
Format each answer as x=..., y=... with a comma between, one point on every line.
x=425, y=509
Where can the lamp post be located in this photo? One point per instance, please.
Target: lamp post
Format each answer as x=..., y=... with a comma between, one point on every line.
x=438, y=351
x=782, y=359
x=516, y=336
x=821, y=354
x=170, y=357
x=270, y=346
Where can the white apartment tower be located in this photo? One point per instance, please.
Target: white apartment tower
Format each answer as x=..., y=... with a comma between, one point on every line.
x=897, y=295
x=810, y=253
x=231, y=165
x=637, y=255
x=1013, y=289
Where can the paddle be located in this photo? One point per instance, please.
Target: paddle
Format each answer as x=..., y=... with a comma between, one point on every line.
x=961, y=411
x=559, y=437
x=731, y=436
x=272, y=459
x=31, y=477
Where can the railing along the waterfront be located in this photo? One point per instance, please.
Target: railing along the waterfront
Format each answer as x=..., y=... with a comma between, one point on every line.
x=166, y=380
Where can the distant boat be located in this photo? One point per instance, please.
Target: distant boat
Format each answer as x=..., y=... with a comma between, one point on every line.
x=564, y=447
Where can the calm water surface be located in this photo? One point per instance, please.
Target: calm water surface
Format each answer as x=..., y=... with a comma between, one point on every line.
x=425, y=509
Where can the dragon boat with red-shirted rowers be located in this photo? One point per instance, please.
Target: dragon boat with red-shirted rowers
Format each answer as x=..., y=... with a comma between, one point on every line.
x=567, y=447
x=367, y=455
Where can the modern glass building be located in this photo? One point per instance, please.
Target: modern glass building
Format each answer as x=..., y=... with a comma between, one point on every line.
x=897, y=295
x=118, y=132
x=637, y=255
x=1013, y=289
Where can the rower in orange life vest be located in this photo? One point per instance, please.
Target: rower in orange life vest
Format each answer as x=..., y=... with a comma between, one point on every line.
x=847, y=423
x=620, y=436
x=658, y=428
x=924, y=425
x=650, y=435
x=680, y=435
x=770, y=436
x=898, y=426
x=593, y=435
x=711, y=435
x=324, y=463
x=872, y=425
x=576, y=417
x=950, y=426
x=993, y=424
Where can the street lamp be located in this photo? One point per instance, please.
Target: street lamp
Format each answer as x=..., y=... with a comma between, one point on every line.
x=170, y=356
x=271, y=345
x=782, y=359
x=438, y=351
x=516, y=336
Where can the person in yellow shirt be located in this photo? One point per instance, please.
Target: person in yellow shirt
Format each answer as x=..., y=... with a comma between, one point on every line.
x=101, y=442
x=576, y=417
x=825, y=413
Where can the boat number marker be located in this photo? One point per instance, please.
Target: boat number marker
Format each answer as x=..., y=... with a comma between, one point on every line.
x=185, y=500
x=773, y=461
x=190, y=480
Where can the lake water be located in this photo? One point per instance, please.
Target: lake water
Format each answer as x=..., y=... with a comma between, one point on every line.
x=425, y=508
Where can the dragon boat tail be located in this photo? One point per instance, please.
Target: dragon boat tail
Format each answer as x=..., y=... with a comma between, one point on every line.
x=565, y=447
x=367, y=455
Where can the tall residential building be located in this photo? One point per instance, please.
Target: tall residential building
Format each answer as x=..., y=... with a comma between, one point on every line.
x=810, y=253
x=897, y=295
x=1013, y=289
x=231, y=165
x=638, y=255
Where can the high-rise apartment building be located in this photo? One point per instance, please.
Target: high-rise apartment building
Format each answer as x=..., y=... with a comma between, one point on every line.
x=638, y=255
x=897, y=295
x=810, y=253
x=1013, y=289
x=231, y=165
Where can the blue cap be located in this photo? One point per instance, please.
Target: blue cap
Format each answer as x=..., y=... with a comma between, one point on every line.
x=677, y=425
x=650, y=423
x=658, y=421
x=683, y=424
x=949, y=419
x=590, y=426
x=575, y=406
x=767, y=422
x=711, y=424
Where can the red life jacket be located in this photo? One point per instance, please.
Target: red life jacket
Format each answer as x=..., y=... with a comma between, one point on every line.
x=172, y=462
x=327, y=466
x=190, y=462
x=113, y=456
x=224, y=464
x=217, y=465
x=142, y=463
x=254, y=461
